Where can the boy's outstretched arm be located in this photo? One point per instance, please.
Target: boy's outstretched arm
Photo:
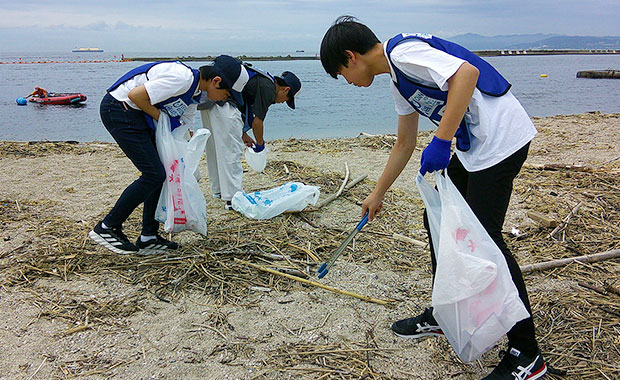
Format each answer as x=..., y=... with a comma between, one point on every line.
x=257, y=130
x=400, y=155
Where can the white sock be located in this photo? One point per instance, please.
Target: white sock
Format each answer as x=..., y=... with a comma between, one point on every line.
x=144, y=239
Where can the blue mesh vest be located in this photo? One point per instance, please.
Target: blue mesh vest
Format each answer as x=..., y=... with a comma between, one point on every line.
x=174, y=106
x=431, y=101
x=247, y=114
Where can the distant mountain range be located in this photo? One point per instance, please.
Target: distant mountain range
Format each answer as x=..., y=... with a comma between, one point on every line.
x=535, y=41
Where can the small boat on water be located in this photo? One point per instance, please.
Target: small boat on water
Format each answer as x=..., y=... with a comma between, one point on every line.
x=64, y=98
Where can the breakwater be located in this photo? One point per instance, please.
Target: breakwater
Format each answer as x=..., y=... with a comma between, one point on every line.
x=599, y=74
x=481, y=53
x=513, y=52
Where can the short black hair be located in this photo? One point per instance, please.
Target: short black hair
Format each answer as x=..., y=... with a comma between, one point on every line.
x=207, y=73
x=346, y=33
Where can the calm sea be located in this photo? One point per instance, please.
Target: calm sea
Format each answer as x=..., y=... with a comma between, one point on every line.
x=325, y=107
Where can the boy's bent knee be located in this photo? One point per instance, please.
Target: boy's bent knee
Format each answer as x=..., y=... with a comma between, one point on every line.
x=155, y=176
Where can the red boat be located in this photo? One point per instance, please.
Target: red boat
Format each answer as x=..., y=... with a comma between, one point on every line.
x=65, y=98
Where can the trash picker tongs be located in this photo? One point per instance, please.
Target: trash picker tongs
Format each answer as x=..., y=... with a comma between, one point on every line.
x=326, y=266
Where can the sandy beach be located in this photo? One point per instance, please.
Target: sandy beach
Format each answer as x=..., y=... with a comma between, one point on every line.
x=71, y=309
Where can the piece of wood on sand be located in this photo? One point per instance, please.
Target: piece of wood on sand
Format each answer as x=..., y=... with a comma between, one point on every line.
x=334, y=196
x=562, y=262
x=554, y=167
x=542, y=219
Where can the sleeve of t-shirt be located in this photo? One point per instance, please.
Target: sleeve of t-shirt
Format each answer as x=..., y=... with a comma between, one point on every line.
x=424, y=64
x=167, y=80
x=265, y=96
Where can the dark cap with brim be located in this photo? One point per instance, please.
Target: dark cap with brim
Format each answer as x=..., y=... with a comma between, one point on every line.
x=234, y=75
x=294, y=83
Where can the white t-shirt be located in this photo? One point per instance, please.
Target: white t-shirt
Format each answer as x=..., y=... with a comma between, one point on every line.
x=165, y=80
x=499, y=126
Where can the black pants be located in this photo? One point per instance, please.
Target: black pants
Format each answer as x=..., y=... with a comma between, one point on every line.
x=137, y=140
x=488, y=193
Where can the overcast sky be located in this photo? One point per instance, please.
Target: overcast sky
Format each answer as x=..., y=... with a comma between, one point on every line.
x=278, y=25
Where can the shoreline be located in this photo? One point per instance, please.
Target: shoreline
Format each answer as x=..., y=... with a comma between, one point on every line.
x=282, y=140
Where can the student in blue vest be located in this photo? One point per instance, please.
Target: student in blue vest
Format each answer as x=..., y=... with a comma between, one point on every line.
x=128, y=112
x=469, y=100
x=230, y=123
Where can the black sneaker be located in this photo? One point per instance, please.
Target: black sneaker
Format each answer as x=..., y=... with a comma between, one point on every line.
x=228, y=205
x=417, y=327
x=113, y=239
x=155, y=245
x=516, y=366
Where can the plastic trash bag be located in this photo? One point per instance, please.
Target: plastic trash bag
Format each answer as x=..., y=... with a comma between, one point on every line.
x=181, y=205
x=292, y=196
x=474, y=299
x=257, y=161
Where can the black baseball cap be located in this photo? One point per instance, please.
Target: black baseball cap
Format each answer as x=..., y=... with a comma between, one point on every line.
x=294, y=83
x=234, y=75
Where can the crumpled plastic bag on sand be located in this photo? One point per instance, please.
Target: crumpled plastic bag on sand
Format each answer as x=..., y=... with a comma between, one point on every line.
x=291, y=196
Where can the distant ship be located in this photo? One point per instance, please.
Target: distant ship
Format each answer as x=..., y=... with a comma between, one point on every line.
x=299, y=51
x=87, y=50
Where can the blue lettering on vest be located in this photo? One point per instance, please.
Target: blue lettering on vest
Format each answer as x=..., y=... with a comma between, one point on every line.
x=174, y=106
x=431, y=101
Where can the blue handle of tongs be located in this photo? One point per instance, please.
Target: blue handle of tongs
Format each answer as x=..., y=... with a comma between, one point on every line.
x=362, y=222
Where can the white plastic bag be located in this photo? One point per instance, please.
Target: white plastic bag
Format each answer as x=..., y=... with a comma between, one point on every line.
x=257, y=161
x=292, y=196
x=474, y=299
x=181, y=205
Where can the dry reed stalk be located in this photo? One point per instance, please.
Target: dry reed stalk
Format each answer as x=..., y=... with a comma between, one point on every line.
x=317, y=284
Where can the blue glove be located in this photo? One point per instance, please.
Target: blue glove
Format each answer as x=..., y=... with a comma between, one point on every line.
x=258, y=148
x=436, y=156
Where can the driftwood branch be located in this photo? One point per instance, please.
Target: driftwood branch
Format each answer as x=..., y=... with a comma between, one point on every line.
x=542, y=219
x=565, y=221
x=608, y=161
x=317, y=284
x=329, y=199
x=594, y=288
x=355, y=181
x=406, y=239
x=562, y=262
x=364, y=134
x=576, y=168
x=334, y=196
